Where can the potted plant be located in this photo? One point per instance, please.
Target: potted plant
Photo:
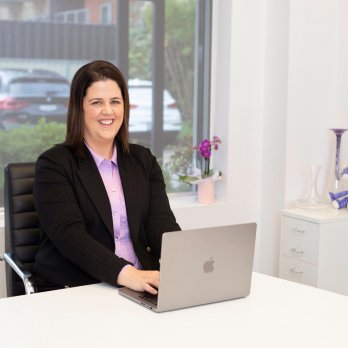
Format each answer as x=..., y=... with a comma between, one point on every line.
x=206, y=177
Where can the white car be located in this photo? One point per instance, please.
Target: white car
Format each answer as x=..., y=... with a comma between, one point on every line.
x=140, y=118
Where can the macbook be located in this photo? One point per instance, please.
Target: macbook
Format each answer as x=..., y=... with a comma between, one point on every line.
x=202, y=266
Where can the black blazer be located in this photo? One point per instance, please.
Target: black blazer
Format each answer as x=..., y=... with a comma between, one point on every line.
x=77, y=244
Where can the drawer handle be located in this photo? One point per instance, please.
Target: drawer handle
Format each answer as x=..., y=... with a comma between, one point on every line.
x=296, y=270
x=299, y=230
x=297, y=250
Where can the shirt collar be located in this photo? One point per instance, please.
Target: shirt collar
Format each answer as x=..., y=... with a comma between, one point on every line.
x=99, y=159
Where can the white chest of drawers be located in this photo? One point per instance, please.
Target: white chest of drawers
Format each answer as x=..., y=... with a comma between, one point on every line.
x=314, y=248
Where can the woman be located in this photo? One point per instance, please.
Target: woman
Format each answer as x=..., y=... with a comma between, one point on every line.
x=101, y=201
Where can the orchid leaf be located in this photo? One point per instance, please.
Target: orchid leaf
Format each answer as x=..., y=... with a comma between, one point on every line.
x=188, y=178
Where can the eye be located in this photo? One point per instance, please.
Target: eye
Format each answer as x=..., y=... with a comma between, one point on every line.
x=116, y=102
x=96, y=102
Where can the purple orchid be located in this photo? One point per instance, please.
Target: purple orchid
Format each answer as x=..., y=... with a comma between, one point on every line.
x=205, y=148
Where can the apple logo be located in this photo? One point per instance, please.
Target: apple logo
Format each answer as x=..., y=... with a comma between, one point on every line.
x=208, y=265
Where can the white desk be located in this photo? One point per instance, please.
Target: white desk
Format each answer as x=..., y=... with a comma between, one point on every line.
x=278, y=313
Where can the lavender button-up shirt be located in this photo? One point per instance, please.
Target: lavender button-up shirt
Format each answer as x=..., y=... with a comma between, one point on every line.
x=109, y=172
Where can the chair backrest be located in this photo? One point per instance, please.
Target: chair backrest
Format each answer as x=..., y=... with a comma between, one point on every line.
x=21, y=221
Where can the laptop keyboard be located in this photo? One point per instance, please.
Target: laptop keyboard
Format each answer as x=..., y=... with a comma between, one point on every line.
x=149, y=297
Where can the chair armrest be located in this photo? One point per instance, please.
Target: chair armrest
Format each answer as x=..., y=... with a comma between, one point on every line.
x=24, y=274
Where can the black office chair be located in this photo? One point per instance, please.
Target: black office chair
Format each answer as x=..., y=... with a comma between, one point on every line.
x=21, y=228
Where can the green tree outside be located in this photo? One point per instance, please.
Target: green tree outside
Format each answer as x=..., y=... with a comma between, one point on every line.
x=26, y=143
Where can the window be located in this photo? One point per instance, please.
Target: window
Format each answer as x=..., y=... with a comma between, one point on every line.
x=162, y=48
x=74, y=16
x=106, y=13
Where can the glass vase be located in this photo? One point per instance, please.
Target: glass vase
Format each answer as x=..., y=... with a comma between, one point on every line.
x=338, y=133
x=312, y=199
x=338, y=188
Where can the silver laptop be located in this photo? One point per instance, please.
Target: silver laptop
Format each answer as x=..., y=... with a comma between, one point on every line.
x=202, y=266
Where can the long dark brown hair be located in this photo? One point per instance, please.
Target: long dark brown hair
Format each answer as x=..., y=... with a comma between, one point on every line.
x=97, y=70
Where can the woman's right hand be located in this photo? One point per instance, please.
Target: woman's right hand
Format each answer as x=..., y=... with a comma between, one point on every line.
x=139, y=280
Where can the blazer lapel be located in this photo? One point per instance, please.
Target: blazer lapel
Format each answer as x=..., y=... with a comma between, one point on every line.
x=94, y=186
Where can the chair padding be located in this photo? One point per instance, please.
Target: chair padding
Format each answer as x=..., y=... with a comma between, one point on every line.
x=21, y=221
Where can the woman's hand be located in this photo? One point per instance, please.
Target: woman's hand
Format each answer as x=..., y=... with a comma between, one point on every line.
x=138, y=280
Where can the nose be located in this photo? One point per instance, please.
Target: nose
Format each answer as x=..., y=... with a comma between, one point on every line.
x=107, y=110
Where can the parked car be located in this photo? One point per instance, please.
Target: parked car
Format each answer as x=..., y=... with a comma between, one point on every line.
x=140, y=119
x=27, y=95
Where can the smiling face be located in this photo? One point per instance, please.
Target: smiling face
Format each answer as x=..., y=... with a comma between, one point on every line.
x=103, y=108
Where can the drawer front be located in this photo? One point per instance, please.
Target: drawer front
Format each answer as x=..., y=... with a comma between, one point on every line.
x=298, y=271
x=296, y=228
x=299, y=250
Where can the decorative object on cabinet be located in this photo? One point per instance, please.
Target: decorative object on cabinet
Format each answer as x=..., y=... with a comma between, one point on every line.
x=338, y=132
x=312, y=200
x=338, y=193
x=339, y=199
x=313, y=248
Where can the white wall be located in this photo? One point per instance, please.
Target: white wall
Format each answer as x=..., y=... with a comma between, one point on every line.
x=317, y=89
x=280, y=81
x=312, y=90
x=276, y=42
